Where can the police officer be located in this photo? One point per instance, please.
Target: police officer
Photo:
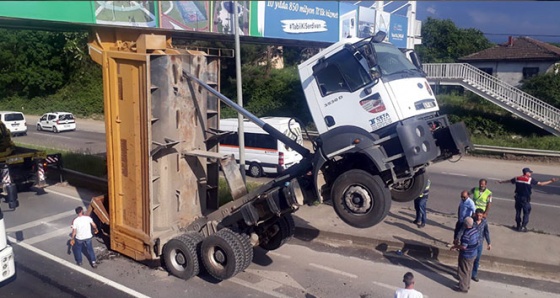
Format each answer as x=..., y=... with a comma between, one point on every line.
x=482, y=197
x=523, y=186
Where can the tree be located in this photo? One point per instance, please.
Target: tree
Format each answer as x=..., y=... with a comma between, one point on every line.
x=443, y=42
x=544, y=87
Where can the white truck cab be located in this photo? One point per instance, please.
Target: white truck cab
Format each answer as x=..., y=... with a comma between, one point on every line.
x=377, y=118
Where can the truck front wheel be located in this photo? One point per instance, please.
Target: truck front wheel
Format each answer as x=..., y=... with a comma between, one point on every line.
x=409, y=189
x=360, y=199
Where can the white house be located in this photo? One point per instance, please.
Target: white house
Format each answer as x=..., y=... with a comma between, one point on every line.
x=518, y=59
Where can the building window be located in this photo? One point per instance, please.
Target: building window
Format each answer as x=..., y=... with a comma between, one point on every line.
x=529, y=72
x=488, y=70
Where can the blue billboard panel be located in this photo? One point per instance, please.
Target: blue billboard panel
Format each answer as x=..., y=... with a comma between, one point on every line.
x=304, y=20
x=398, y=30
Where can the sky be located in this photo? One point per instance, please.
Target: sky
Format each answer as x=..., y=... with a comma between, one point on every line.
x=499, y=19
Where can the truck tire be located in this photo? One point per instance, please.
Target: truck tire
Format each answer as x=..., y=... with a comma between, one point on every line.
x=222, y=254
x=180, y=255
x=410, y=189
x=255, y=170
x=360, y=199
x=247, y=246
x=286, y=230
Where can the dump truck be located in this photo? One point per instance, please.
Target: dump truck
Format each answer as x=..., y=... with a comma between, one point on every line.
x=162, y=111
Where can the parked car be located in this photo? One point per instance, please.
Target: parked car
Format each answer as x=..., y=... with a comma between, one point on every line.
x=57, y=122
x=14, y=122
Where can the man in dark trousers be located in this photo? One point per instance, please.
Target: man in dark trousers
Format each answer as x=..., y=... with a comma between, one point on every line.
x=523, y=187
x=481, y=225
x=81, y=236
x=420, y=206
x=467, y=254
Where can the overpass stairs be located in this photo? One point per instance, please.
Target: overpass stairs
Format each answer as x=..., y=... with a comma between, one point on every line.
x=513, y=100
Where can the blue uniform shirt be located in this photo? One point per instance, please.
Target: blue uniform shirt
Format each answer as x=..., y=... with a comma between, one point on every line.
x=523, y=186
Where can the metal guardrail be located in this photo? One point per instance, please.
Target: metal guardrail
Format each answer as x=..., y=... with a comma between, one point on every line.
x=493, y=149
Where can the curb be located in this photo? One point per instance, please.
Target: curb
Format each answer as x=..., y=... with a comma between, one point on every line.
x=420, y=250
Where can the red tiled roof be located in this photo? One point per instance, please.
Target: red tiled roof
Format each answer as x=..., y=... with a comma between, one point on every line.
x=523, y=48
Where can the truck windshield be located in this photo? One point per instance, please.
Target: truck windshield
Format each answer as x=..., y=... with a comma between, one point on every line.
x=342, y=73
x=392, y=61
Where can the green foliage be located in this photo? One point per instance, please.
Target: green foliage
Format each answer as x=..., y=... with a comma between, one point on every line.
x=48, y=71
x=544, y=87
x=484, y=120
x=32, y=63
x=443, y=42
x=271, y=92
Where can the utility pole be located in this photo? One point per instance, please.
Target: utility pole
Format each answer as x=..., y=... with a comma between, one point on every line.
x=240, y=128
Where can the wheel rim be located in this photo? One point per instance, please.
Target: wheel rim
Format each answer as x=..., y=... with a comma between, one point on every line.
x=255, y=171
x=217, y=257
x=178, y=260
x=357, y=199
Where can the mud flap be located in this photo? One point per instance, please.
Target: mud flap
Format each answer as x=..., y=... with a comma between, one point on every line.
x=452, y=140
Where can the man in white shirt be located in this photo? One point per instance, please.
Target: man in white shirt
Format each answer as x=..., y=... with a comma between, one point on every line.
x=81, y=236
x=408, y=291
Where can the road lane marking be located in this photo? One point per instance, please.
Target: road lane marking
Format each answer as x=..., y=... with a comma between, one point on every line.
x=66, y=196
x=54, y=135
x=41, y=221
x=249, y=285
x=278, y=255
x=455, y=174
x=532, y=203
x=333, y=270
x=47, y=236
x=63, y=262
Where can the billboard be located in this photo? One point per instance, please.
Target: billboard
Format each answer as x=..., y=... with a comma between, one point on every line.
x=185, y=15
x=305, y=20
x=398, y=31
x=322, y=21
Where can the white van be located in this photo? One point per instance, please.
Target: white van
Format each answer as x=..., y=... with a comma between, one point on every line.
x=14, y=122
x=263, y=153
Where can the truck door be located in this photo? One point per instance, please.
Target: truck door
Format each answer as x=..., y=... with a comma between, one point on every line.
x=349, y=95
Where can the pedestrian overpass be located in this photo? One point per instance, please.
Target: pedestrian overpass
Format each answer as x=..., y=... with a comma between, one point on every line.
x=512, y=99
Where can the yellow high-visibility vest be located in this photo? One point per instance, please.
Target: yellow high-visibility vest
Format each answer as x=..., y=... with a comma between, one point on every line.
x=481, y=199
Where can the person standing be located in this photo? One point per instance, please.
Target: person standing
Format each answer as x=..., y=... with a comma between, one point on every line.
x=481, y=224
x=482, y=197
x=466, y=210
x=408, y=291
x=81, y=236
x=467, y=254
x=420, y=206
x=523, y=189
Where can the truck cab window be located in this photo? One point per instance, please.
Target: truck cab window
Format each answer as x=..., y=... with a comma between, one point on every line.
x=392, y=61
x=343, y=73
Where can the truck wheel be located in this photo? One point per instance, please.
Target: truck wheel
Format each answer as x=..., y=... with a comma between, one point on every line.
x=39, y=128
x=285, y=227
x=222, y=255
x=409, y=189
x=180, y=255
x=255, y=170
x=247, y=246
x=360, y=199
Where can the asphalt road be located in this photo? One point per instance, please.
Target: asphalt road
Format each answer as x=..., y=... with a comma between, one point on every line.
x=39, y=231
